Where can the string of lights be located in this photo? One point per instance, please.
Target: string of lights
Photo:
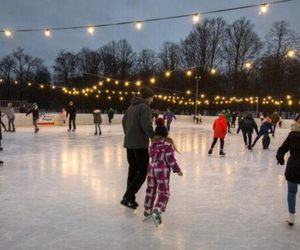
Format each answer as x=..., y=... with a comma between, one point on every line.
x=195, y=16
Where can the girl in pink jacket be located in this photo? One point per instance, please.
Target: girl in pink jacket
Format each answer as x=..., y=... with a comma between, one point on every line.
x=162, y=161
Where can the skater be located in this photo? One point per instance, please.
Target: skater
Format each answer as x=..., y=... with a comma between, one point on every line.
x=162, y=161
x=137, y=127
x=280, y=122
x=0, y=137
x=292, y=172
x=275, y=119
x=265, y=129
x=220, y=131
x=234, y=116
x=35, y=116
x=97, y=120
x=155, y=115
x=169, y=116
x=10, y=113
x=1, y=122
x=240, y=118
x=247, y=126
x=71, y=112
x=229, y=119
x=110, y=114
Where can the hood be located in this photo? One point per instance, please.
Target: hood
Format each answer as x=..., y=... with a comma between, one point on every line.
x=222, y=116
x=295, y=127
x=137, y=100
x=97, y=111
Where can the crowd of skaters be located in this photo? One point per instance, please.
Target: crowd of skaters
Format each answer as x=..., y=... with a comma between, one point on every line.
x=156, y=160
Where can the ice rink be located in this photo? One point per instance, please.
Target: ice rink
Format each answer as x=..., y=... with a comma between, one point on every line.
x=62, y=190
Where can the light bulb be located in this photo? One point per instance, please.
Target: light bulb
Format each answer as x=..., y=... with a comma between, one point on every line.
x=47, y=33
x=138, y=25
x=91, y=30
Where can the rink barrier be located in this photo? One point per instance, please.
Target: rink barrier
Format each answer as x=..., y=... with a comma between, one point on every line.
x=87, y=119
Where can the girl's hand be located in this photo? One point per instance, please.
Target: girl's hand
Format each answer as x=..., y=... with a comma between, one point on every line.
x=180, y=173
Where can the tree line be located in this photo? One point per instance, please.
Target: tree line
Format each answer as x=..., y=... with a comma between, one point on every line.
x=211, y=44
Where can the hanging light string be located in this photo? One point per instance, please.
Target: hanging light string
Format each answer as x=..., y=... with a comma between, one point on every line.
x=263, y=8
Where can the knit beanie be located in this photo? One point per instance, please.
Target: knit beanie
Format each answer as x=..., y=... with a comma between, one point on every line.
x=161, y=129
x=146, y=92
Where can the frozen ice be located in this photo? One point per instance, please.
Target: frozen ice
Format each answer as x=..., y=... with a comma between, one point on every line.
x=62, y=190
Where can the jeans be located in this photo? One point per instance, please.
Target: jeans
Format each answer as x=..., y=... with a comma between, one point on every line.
x=72, y=121
x=215, y=141
x=291, y=197
x=247, y=135
x=169, y=124
x=11, y=124
x=138, y=160
x=97, y=127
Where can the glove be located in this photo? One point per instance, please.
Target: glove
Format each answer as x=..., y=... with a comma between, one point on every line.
x=280, y=161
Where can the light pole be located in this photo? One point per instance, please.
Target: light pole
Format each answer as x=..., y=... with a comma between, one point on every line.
x=197, y=88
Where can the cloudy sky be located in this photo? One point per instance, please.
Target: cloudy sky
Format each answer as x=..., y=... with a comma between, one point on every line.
x=18, y=14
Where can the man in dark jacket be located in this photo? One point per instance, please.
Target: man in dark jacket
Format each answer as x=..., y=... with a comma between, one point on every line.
x=264, y=129
x=137, y=126
x=71, y=112
x=292, y=172
x=275, y=119
x=247, y=126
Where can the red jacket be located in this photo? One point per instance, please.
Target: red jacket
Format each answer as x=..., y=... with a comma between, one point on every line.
x=220, y=127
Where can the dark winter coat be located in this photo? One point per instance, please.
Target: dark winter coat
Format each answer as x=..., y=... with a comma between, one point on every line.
x=97, y=116
x=220, y=127
x=248, y=124
x=275, y=118
x=266, y=128
x=137, y=124
x=110, y=113
x=71, y=111
x=35, y=113
x=292, y=144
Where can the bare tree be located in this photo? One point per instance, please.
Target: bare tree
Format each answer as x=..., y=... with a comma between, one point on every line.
x=126, y=58
x=169, y=55
x=242, y=45
x=89, y=61
x=7, y=64
x=65, y=66
x=146, y=62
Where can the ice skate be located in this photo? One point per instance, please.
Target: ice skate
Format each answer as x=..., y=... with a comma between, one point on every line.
x=36, y=131
x=73, y=130
x=147, y=215
x=128, y=204
x=291, y=220
x=250, y=148
x=69, y=130
x=222, y=153
x=1, y=162
x=1, y=149
x=210, y=152
x=156, y=217
x=95, y=133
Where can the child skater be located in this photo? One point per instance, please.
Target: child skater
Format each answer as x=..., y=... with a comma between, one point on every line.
x=35, y=116
x=97, y=120
x=162, y=161
x=292, y=171
x=220, y=131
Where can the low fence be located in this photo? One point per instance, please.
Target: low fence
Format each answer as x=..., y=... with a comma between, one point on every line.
x=59, y=119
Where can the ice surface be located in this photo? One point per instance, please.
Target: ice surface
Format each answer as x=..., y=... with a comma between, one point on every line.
x=62, y=190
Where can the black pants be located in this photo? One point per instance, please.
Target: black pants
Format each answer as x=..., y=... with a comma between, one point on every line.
x=247, y=135
x=138, y=160
x=2, y=124
x=228, y=127
x=215, y=142
x=72, y=121
x=257, y=138
x=11, y=124
x=274, y=128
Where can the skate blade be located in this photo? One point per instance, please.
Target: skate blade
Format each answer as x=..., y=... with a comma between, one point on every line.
x=155, y=222
x=147, y=218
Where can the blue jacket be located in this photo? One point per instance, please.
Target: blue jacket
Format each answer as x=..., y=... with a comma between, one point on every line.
x=266, y=128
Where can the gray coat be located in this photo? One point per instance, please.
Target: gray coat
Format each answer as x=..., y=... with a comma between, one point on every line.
x=97, y=116
x=10, y=112
x=137, y=124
